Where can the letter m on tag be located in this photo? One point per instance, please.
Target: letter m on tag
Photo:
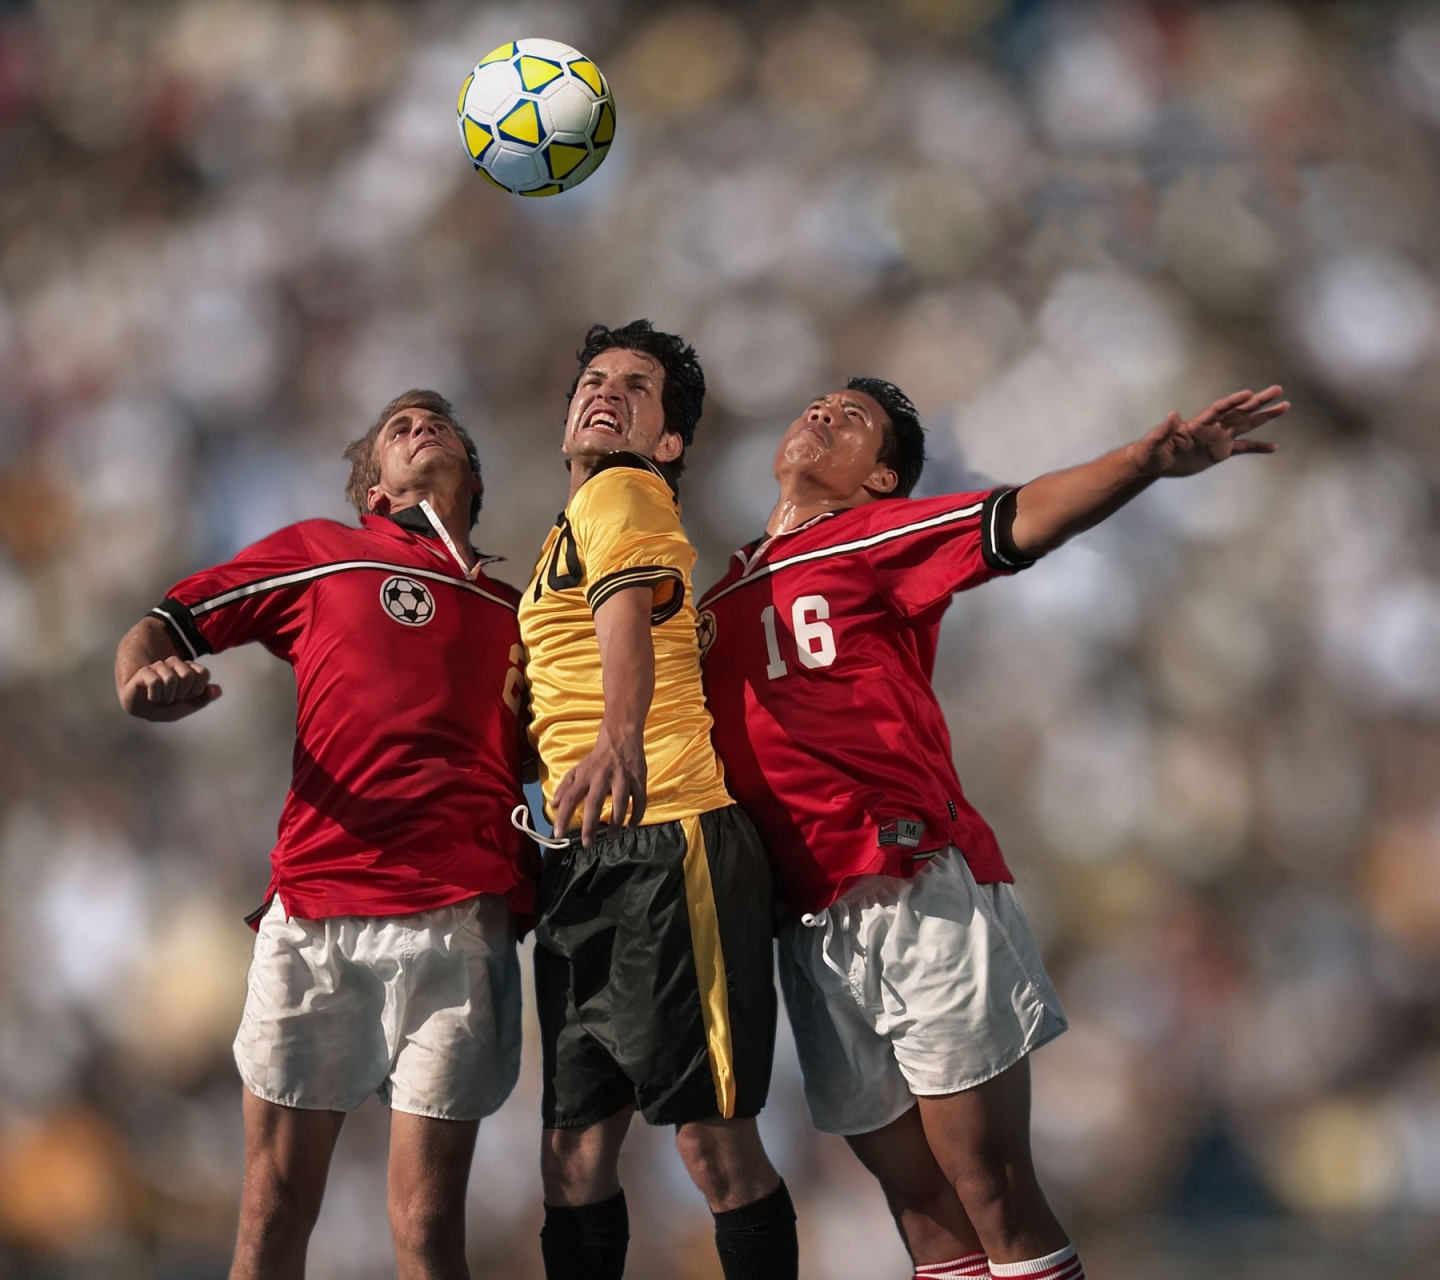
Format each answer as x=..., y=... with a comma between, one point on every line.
x=905, y=832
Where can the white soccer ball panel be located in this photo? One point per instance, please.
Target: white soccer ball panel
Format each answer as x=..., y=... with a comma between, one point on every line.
x=516, y=166
x=551, y=49
x=489, y=90
x=570, y=104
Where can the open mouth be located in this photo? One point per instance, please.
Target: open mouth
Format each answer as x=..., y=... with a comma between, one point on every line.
x=601, y=420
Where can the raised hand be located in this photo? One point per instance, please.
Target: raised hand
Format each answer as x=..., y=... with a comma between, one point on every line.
x=1183, y=447
x=169, y=689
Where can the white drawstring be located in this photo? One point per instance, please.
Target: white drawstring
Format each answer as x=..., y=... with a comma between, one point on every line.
x=444, y=535
x=827, y=920
x=520, y=820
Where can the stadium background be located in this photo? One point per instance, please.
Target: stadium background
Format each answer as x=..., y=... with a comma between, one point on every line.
x=1207, y=734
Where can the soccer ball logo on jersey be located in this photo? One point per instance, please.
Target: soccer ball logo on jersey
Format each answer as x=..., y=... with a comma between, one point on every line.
x=407, y=601
x=705, y=631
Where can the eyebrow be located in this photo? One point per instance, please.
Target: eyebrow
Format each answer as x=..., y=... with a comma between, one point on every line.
x=392, y=424
x=629, y=377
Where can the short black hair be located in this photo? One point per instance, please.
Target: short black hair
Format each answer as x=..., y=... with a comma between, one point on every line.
x=365, y=467
x=682, y=394
x=903, y=448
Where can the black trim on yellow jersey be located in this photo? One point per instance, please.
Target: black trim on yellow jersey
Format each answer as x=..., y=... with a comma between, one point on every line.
x=574, y=571
x=644, y=575
x=624, y=458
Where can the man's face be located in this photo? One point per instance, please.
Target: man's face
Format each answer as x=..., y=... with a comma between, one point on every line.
x=836, y=443
x=418, y=449
x=617, y=405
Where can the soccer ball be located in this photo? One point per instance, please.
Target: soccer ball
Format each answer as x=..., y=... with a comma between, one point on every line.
x=407, y=601
x=536, y=117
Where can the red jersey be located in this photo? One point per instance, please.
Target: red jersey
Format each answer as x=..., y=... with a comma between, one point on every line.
x=407, y=743
x=819, y=647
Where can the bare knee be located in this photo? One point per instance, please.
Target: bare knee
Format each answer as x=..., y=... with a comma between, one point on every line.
x=727, y=1162
x=582, y=1166
x=426, y=1229
x=999, y=1196
x=276, y=1206
x=929, y=1197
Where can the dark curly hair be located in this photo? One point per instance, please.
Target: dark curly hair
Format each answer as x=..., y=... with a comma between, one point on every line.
x=365, y=466
x=903, y=447
x=682, y=394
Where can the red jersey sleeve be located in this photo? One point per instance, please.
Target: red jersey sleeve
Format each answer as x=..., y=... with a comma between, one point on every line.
x=930, y=548
x=259, y=595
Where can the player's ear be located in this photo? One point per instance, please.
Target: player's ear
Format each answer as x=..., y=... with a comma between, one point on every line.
x=669, y=447
x=881, y=481
x=377, y=501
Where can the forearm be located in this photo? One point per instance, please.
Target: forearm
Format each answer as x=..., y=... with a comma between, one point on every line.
x=146, y=642
x=627, y=663
x=1053, y=508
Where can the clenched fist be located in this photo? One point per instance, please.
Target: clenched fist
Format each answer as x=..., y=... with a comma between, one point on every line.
x=169, y=689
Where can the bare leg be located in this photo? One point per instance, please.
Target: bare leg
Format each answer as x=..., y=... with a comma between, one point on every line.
x=927, y=1211
x=287, y=1158
x=981, y=1139
x=429, y=1171
x=726, y=1162
x=582, y=1166
x=587, y=1226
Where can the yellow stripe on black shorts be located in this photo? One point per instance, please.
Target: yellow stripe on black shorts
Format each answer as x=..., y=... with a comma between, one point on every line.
x=653, y=973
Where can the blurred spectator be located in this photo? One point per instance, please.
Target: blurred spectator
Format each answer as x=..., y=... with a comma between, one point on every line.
x=1208, y=734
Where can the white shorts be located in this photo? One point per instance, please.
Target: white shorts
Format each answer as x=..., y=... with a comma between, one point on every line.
x=422, y=1009
x=912, y=987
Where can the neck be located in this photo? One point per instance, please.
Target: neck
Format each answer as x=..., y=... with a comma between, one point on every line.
x=453, y=514
x=800, y=502
x=581, y=469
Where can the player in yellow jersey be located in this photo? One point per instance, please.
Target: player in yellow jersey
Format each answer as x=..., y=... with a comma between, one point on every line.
x=653, y=941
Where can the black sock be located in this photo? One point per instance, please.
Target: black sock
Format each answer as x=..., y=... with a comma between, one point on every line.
x=587, y=1242
x=757, y=1241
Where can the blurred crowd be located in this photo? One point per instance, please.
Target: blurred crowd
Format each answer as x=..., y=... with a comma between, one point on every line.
x=1208, y=733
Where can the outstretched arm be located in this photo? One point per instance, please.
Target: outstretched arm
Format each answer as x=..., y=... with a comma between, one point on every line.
x=1053, y=508
x=153, y=681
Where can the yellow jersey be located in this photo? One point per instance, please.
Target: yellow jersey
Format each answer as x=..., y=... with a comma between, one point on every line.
x=621, y=529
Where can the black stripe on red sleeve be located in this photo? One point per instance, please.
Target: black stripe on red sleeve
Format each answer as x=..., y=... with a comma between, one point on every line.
x=996, y=544
x=181, y=625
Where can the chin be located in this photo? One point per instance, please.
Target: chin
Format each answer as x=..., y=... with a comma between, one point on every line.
x=596, y=448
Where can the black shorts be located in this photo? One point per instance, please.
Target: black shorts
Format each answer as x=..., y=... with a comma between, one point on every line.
x=654, y=973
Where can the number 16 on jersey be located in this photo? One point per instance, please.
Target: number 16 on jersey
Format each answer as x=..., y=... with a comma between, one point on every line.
x=814, y=640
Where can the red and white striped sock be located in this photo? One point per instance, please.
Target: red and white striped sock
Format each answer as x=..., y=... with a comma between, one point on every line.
x=969, y=1267
x=1063, y=1264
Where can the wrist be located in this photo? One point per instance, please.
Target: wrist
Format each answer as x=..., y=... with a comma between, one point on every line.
x=1139, y=462
x=621, y=733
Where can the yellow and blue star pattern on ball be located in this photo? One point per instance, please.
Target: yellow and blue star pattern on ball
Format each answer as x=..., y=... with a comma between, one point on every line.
x=536, y=117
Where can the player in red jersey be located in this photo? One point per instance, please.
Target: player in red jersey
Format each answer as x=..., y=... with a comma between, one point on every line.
x=385, y=957
x=911, y=977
